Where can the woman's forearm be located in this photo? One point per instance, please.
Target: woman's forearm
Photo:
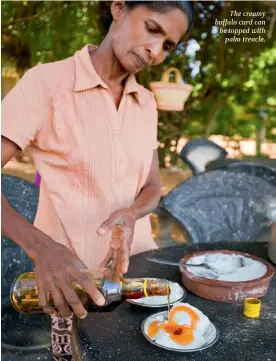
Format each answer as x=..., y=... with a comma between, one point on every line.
x=147, y=200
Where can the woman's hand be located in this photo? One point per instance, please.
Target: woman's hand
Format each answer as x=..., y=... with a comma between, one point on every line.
x=55, y=267
x=121, y=223
x=55, y=264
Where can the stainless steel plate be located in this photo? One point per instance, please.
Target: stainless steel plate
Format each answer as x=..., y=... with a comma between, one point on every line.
x=159, y=305
x=211, y=335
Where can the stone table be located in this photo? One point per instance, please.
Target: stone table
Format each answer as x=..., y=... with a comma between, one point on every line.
x=224, y=163
x=116, y=336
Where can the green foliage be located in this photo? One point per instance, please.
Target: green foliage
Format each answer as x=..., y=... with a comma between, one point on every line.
x=49, y=30
x=234, y=87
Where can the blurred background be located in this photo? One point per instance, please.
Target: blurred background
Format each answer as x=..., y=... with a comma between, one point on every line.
x=233, y=102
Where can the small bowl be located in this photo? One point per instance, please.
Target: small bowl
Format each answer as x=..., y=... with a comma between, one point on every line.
x=226, y=291
x=211, y=334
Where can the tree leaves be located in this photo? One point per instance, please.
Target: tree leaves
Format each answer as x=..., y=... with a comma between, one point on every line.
x=231, y=81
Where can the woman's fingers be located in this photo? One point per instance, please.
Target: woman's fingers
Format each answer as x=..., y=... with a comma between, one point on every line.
x=43, y=295
x=118, y=254
x=115, y=259
x=107, y=259
x=83, y=280
x=114, y=220
x=59, y=299
x=71, y=298
x=125, y=249
x=124, y=260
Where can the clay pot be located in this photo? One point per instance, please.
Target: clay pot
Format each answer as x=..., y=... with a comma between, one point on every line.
x=225, y=291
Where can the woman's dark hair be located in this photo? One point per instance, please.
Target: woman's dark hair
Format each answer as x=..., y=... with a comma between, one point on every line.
x=187, y=7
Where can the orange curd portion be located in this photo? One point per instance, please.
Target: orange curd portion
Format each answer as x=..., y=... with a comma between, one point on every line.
x=181, y=334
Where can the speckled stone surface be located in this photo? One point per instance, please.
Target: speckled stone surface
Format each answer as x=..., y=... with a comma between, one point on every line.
x=23, y=197
x=262, y=167
x=222, y=205
x=24, y=337
x=116, y=336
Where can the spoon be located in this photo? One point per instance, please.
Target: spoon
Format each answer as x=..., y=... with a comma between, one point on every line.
x=181, y=264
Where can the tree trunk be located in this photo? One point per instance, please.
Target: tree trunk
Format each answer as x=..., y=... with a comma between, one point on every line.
x=212, y=115
x=260, y=135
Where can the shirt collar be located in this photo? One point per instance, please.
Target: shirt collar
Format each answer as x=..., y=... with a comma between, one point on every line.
x=86, y=76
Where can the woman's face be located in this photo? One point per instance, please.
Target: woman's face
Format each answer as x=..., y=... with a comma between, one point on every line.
x=141, y=37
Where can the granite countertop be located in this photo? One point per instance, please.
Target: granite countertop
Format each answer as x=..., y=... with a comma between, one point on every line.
x=117, y=335
x=262, y=161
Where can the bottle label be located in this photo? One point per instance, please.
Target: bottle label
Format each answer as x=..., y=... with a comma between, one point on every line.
x=145, y=288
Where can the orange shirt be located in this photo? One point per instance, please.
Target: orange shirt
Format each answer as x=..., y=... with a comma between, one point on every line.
x=93, y=159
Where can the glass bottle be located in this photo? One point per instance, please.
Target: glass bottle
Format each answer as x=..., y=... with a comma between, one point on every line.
x=115, y=289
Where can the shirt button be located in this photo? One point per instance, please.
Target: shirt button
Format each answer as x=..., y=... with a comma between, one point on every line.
x=118, y=137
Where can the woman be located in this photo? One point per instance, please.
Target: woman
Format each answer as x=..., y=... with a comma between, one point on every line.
x=92, y=132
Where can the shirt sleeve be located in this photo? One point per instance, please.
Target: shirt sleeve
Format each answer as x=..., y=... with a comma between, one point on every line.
x=23, y=110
